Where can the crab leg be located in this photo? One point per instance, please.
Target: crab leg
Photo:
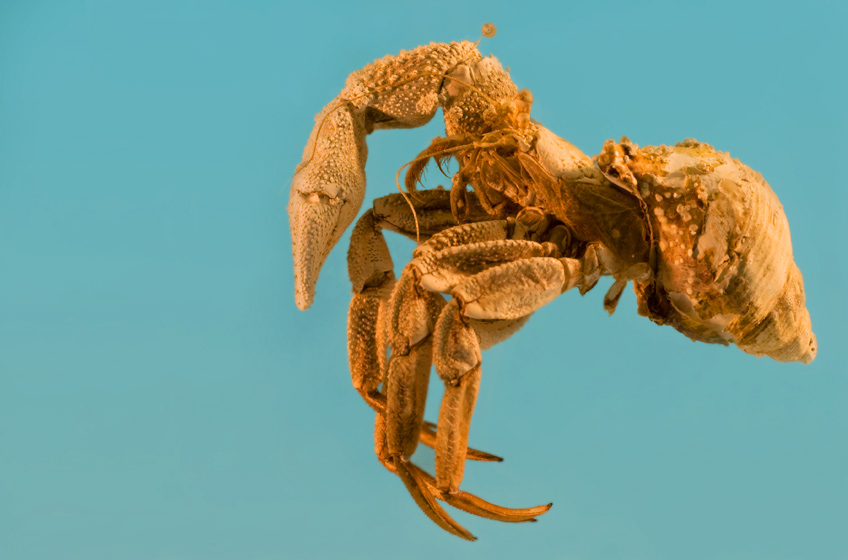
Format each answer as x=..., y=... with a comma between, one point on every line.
x=442, y=262
x=377, y=401
x=424, y=482
x=415, y=481
x=426, y=501
x=412, y=320
x=428, y=438
x=409, y=319
x=476, y=506
x=506, y=292
x=458, y=401
x=422, y=488
x=371, y=272
x=408, y=314
x=413, y=313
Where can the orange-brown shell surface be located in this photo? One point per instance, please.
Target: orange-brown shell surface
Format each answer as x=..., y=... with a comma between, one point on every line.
x=724, y=269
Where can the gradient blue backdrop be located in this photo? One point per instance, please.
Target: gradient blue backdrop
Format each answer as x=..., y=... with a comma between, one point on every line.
x=161, y=398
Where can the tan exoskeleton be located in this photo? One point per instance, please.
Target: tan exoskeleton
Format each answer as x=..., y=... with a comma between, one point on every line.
x=703, y=238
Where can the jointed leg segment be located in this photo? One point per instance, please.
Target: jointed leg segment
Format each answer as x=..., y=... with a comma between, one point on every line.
x=496, y=282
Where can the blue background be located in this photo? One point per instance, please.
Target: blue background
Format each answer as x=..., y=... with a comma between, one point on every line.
x=161, y=398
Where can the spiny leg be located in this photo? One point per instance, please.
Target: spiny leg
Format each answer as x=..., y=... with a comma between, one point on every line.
x=457, y=255
x=371, y=271
x=412, y=316
x=440, y=264
x=376, y=298
x=422, y=487
x=507, y=292
x=377, y=401
x=474, y=505
x=432, y=213
x=415, y=481
x=428, y=438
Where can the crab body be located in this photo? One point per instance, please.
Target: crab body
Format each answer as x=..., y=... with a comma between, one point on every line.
x=701, y=236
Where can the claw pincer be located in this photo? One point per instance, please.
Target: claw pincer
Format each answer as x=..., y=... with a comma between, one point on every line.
x=327, y=191
x=329, y=184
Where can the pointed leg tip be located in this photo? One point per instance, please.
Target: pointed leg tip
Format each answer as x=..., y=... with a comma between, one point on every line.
x=483, y=457
x=461, y=531
x=474, y=505
x=426, y=500
x=477, y=455
x=466, y=536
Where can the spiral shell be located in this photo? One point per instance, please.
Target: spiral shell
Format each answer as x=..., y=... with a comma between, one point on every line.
x=724, y=270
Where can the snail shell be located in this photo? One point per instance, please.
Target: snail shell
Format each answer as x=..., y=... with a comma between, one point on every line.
x=724, y=270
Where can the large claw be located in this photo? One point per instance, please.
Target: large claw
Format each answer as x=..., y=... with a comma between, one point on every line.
x=327, y=191
x=400, y=91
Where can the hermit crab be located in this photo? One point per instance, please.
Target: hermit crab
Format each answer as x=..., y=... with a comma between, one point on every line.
x=527, y=216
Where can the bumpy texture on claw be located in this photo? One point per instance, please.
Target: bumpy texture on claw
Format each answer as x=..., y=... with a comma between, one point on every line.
x=329, y=184
x=326, y=193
